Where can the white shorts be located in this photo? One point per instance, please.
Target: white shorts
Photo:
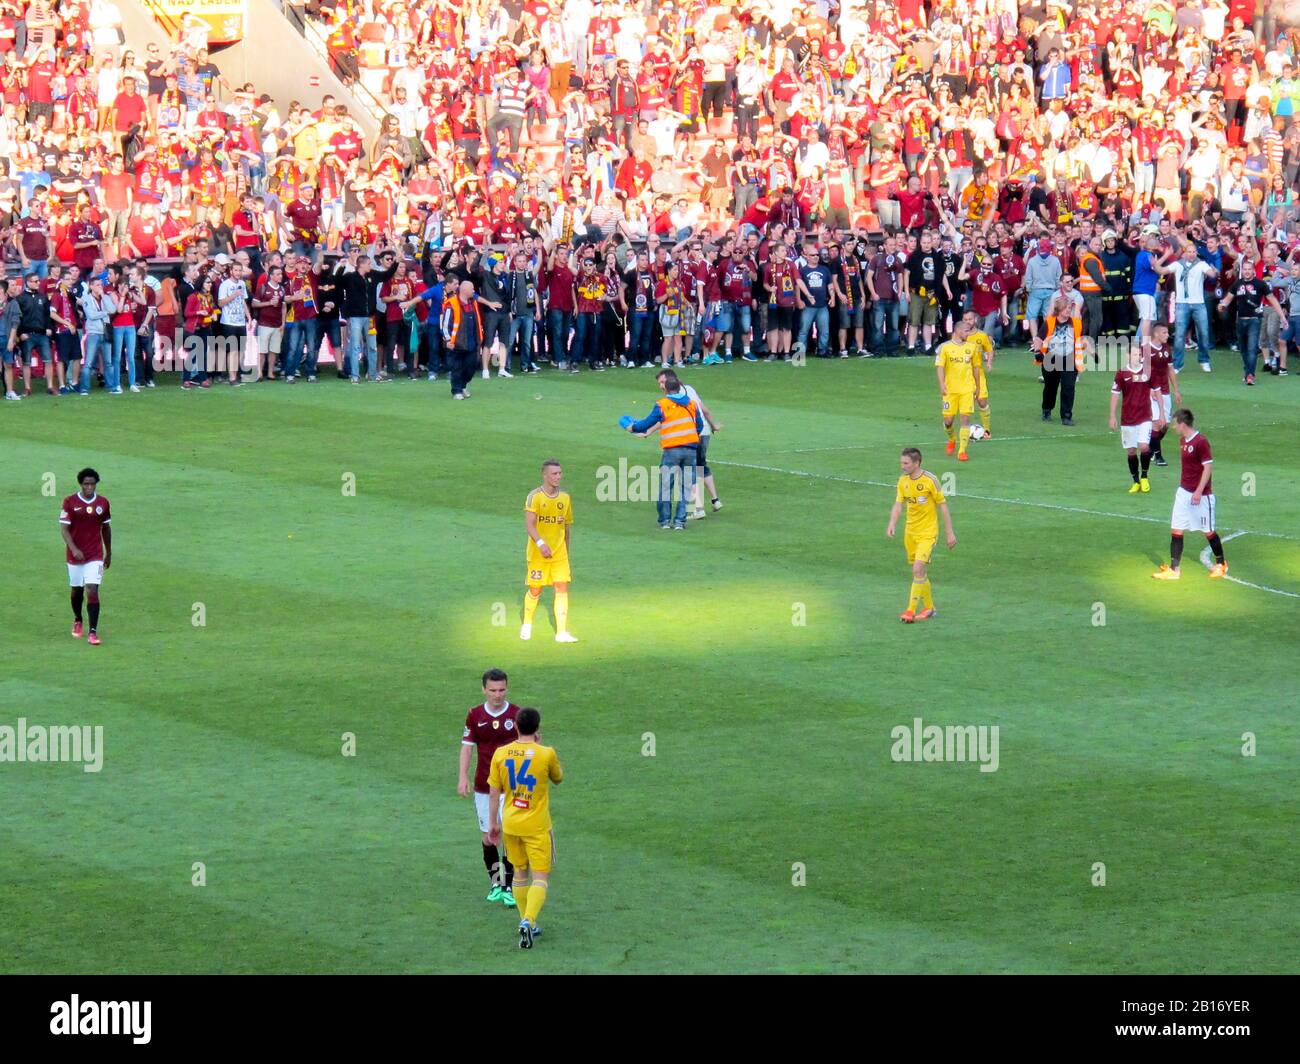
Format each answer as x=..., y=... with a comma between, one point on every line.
x=1132, y=436
x=481, y=808
x=85, y=573
x=1146, y=307
x=1162, y=409
x=1190, y=516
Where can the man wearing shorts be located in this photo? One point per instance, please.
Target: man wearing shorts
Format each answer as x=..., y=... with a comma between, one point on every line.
x=1194, y=504
x=488, y=726
x=84, y=522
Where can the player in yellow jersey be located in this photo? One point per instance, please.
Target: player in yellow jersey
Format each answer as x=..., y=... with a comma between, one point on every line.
x=984, y=343
x=920, y=491
x=523, y=771
x=548, y=515
x=959, y=378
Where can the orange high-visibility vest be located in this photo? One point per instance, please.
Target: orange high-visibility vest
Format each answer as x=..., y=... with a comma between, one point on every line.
x=678, y=426
x=1086, y=283
x=1076, y=323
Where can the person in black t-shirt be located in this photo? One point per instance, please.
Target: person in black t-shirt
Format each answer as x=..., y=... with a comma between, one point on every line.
x=1253, y=298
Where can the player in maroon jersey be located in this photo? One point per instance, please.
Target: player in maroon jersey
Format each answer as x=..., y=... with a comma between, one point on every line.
x=1194, y=504
x=1163, y=382
x=1133, y=387
x=84, y=522
x=488, y=725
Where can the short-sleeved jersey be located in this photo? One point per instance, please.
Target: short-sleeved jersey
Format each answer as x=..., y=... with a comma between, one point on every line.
x=554, y=514
x=983, y=347
x=1195, y=451
x=488, y=731
x=86, y=519
x=1135, y=393
x=922, y=496
x=524, y=772
x=1162, y=361
x=958, y=363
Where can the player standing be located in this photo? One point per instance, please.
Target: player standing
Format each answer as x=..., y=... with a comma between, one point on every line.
x=920, y=490
x=522, y=773
x=1160, y=357
x=488, y=727
x=1194, y=500
x=956, y=367
x=1133, y=386
x=548, y=515
x=84, y=524
x=984, y=361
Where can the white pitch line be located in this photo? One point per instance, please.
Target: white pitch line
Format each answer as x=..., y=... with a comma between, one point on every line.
x=980, y=498
x=1207, y=560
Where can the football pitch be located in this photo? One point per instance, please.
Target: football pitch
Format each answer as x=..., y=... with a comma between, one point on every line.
x=296, y=566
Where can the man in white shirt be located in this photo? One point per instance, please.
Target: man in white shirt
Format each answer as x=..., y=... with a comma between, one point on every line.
x=232, y=298
x=1189, y=276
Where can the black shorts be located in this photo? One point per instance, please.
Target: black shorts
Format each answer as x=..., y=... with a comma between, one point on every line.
x=780, y=318
x=68, y=346
x=701, y=456
x=496, y=325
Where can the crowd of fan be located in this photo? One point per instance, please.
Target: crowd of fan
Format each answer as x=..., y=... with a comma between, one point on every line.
x=587, y=183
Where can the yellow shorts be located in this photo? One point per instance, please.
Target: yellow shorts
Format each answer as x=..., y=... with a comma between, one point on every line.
x=958, y=403
x=543, y=572
x=918, y=550
x=533, y=852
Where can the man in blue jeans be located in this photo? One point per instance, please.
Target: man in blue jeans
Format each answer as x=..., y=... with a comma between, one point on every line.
x=1190, y=274
x=97, y=309
x=815, y=281
x=680, y=423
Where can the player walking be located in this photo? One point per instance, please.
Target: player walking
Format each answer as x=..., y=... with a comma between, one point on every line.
x=957, y=367
x=548, y=515
x=488, y=727
x=521, y=774
x=1194, y=500
x=920, y=491
x=984, y=353
x=1163, y=382
x=84, y=523
x=1131, y=392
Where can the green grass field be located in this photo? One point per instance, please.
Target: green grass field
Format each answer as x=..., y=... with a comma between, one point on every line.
x=375, y=614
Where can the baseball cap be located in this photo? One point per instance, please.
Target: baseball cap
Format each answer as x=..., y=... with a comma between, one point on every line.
x=1044, y=245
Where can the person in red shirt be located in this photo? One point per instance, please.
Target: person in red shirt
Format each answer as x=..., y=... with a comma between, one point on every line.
x=304, y=218
x=84, y=521
x=489, y=725
x=1131, y=393
x=116, y=196
x=1194, y=502
x=268, y=309
x=87, y=239
x=559, y=281
x=129, y=107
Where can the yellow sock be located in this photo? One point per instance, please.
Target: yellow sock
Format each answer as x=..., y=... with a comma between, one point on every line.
x=965, y=439
x=520, y=891
x=951, y=431
x=536, y=899
x=984, y=417
x=530, y=606
x=914, y=597
x=561, y=611
x=927, y=600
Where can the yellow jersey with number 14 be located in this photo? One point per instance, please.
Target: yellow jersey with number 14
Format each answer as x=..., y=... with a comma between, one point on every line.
x=524, y=772
x=554, y=515
x=957, y=360
x=922, y=497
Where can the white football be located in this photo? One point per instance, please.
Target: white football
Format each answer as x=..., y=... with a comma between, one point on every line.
x=977, y=432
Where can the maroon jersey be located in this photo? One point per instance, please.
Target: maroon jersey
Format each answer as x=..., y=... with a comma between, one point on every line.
x=86, y=518
x=1135, y=406
x=1196, y=456
x=1161, y=362
x=487, y=732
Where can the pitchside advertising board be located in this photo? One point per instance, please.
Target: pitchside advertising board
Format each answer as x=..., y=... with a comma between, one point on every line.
x=224, y=19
